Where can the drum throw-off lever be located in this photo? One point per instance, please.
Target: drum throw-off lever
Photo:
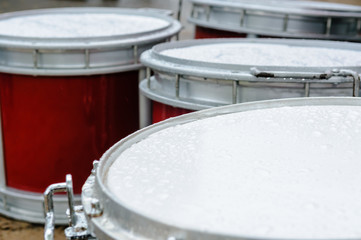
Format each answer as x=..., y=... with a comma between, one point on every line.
x=77, y=222
x=309, y=77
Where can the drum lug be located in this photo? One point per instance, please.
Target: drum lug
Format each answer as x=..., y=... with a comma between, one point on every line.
x=96, y=210
x=78, y=228
x=95, y=167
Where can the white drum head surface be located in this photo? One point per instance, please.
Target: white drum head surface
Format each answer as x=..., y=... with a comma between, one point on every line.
x=78, y=25
x=288, y=172
x=262, y=54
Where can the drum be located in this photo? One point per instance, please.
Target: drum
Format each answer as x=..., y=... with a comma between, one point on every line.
x=68, y=91
x=278, y=169
x=276, y=18
x=198, y=74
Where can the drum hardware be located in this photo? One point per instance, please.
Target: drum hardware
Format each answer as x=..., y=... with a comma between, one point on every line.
x=177, y=79
x=209, y=14
x=310, y=77
x=135, y=53
x=35, y=58
x=87, y=58
x=78, y=228
x=278, y=76
x=87, y=64
x=148, y=76
x=181, y=82
x=91, y=208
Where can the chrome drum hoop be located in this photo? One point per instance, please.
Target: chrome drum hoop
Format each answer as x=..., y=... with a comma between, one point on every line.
x=28, y=206
x=267, y=20
x=198, y=85
x=88, y=56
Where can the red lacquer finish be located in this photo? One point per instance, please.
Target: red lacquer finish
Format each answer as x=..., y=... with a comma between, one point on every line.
x=162, y=112
x=58, y=125
x=201, y=32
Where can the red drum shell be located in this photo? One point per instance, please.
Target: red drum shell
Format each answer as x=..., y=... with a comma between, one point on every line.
x=56, y=125
x=162, y=111
x=202, y=32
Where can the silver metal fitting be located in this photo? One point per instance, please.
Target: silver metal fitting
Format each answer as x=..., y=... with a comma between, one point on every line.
x=96, y=210
x=78, y=228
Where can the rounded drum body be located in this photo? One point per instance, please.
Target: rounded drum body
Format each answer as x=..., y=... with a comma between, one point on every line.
x=198, y=74
x=262, y=170
x=277, y=18
x=68, y=90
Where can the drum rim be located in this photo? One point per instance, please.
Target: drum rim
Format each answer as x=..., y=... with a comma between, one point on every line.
x=28, y=206
x=313, y=9
x=71, y=57
x=263, y=14
x=109, y=201
x=156, y=61
x=8, y=41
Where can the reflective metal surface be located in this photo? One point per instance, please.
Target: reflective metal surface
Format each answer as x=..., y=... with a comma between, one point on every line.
x=279, y=18
x=197, y=85
x=79, y=56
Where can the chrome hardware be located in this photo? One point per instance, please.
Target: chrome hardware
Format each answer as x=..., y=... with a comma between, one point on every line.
x=328, y=26
x=77, y=222
x=96, y=210
x=208, y=13
x=87, y=58
x=135, y=53
x=307, y=89
x=350, y=73
x=148, y=75
x=279, y=74
x=243, y=16
x=95, y=167
x=311, y=77
x=260, y=13
x=35, y=58
x=234, y=92
x=285, y=23
x=177, y=79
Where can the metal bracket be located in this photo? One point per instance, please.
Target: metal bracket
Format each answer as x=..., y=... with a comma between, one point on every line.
x=311, y=76
x=77, y=222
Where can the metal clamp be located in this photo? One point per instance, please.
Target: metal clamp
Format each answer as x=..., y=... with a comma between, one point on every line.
x=77, y=222
x=311, y=76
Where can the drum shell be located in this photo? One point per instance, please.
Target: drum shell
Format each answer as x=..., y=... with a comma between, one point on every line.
x=117, y=218
x=63, y=103
x=61, y=124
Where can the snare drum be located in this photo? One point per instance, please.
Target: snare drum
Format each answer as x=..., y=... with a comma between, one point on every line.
x=276, y=18
x=69, y=90
x=280, y=169
x=198, y=74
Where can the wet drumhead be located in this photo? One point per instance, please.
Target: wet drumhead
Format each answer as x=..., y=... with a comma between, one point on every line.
x=266, y=54
x=284, y=172
x=78, y=25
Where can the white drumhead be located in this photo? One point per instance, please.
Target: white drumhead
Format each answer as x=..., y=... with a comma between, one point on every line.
x=263, y=54
x=288, y=172
x=78, y=25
